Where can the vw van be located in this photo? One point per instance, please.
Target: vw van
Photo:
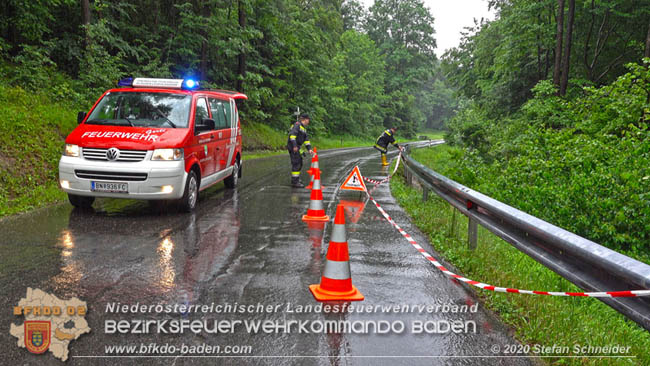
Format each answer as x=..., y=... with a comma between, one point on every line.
x=153, y=139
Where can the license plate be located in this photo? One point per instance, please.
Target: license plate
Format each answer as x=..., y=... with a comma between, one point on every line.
x=112, y=187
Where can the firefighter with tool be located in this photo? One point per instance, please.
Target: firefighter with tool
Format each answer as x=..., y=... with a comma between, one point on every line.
x=297, y=137
x=383, y=141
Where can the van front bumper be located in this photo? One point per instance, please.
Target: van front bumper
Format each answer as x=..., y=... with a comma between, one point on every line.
x=158, y=176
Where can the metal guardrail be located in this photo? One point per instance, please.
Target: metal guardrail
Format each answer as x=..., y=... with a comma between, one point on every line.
x=588, y=265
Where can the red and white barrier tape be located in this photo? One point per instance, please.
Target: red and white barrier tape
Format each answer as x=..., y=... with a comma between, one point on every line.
x=378, y=182
x=485, y=286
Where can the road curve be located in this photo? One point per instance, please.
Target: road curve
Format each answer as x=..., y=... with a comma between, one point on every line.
x=244, y=247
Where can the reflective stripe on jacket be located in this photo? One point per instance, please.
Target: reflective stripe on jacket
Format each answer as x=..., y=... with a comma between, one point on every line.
x=298, y=136
x=385, y=139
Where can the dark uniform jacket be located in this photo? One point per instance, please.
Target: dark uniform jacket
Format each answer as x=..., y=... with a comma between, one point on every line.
x=385, y=139
x=298, y=136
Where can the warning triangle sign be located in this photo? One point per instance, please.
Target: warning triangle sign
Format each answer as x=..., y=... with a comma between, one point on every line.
x=354, y=181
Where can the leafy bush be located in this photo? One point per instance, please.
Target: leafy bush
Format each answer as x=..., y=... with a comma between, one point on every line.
x=582, y=164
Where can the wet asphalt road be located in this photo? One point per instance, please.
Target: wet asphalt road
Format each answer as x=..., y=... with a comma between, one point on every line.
x=246, y=247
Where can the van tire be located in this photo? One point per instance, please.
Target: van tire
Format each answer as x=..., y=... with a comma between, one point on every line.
x=80, y=201
x=233, y=179
x=191, y=193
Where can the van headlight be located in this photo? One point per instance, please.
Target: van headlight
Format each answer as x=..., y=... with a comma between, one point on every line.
x=71, y=150
x=167, y=154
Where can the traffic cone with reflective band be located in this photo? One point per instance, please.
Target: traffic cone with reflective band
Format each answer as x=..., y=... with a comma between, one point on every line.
x=315, y=212
x=314, y=159
x=336, y=281
x=312, y=170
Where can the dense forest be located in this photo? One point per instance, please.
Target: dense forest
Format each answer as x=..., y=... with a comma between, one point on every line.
x=554, y=108
x=355, y=70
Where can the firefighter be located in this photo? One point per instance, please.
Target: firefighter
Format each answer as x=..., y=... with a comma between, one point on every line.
x=297, y=137
x=383, y=141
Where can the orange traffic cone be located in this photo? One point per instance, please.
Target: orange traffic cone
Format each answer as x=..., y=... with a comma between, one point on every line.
x=315, y=212
x=312, y=170
x=314, y=159
x=336, y=281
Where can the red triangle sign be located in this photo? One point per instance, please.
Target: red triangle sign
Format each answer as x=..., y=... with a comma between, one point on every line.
x=354, y=181
x=354, y=209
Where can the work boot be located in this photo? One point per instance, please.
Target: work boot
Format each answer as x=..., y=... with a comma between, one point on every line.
x=296, y=183
x=383, y=160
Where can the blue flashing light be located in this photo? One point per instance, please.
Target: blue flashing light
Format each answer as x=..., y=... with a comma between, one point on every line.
x=190, y=84
x=125, y=82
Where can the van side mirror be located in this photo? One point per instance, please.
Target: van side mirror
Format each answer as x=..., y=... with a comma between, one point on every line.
x=80, y=117
x=207, y=124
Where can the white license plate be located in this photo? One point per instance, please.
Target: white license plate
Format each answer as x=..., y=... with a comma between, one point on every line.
x=112, y=187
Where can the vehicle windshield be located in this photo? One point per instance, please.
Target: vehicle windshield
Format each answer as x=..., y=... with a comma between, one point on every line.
x=142, y=109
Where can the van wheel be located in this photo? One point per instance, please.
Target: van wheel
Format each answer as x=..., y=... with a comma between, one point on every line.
x=80, y=201
x=233, y=179
x=191, y=193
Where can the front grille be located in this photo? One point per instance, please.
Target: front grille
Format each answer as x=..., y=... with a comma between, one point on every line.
x=119, y=176
x=125, y=155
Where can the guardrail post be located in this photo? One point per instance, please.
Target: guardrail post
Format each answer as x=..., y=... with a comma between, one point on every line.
x=453, y=221
x=425, y=193
x=472, y=233
x=472, y=227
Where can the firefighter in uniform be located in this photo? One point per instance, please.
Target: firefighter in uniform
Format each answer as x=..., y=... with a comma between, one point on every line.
x=297, y=137
x=383, y=141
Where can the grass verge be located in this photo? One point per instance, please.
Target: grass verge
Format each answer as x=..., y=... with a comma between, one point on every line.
x=538, y=320
x=32, y=136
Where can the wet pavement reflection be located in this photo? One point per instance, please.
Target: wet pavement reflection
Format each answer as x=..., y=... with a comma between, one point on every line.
x=241, y=247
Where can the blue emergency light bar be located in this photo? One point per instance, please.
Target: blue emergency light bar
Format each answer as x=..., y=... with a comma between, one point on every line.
x=125, y=82
x=185, y=84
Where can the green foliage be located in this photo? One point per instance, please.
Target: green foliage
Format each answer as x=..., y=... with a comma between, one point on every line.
x=34, y=67
x=499, y=62
x=582, y=165
x=331, y=59
x=359, y=88
x=468, y=128
x=31, y=140
x=259, y=136
x=403, y=31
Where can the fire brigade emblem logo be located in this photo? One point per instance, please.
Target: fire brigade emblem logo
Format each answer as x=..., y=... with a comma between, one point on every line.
x=112, y=154
x=37, y=335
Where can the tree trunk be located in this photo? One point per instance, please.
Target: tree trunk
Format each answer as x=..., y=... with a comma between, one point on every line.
x=205, y=12
x=242, y=55
x=85, y=19
x=567, y=48
x=539, y=50
x=558, y=43
x=647, y=43
x=588, y=40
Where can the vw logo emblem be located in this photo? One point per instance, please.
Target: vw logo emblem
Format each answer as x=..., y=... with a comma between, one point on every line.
x=112, y=153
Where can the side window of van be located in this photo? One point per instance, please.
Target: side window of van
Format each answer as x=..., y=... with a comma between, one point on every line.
x=227, y=110
x=219, y=113
x=201, y=111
